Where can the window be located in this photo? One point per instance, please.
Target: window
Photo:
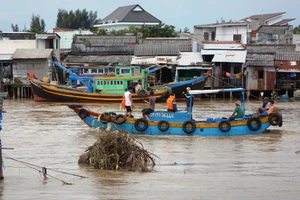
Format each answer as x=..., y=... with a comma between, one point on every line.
x=260, y=74
x=237, y=37
x=206, y=35
x=93, y=70
x=125, y=71
x=213, y=36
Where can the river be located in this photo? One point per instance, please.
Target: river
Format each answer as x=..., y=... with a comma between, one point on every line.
x=50, y=135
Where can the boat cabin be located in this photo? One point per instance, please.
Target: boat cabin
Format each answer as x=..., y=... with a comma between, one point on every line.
x=122, y=78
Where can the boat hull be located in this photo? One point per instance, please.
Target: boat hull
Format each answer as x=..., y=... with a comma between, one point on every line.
x=47, y=92
x=202, y=128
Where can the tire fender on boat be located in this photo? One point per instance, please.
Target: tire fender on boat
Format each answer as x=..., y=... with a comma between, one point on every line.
x=83, y=113
x=142, y=93
x=112, y=113
x=254, y=126
x=141, y=124
x=120, y=119
x=224, y=126
x=104, y=117
x=275, y=119
x=163, y=125
x=188, y=127
x=75, y=106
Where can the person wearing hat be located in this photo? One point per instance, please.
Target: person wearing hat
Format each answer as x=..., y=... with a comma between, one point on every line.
x=189, y=99
x=238, y=112
x=262, y=111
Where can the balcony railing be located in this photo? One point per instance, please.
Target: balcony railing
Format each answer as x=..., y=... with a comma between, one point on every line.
x=231, y=82
x=288, y=84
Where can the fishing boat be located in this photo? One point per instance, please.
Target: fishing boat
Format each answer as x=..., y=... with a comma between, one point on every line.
x=193, y=77
x=109, y=87
x=179, y=122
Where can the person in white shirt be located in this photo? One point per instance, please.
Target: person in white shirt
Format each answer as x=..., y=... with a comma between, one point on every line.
x=128, y=101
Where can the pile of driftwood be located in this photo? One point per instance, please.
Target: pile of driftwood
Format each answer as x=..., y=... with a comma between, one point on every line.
x=116, y=150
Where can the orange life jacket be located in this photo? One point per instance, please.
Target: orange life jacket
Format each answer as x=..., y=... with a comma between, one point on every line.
x=170, y=102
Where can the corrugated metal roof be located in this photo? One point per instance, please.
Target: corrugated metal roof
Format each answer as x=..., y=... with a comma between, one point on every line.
x=260, y=59
x=157, y=50
x=32, y=54
x=154, y=60
x=5, y=56
x=273, y=29
x=288, y=55
x=99, y=59
x=284, y=22
x=230, y=56
x=223, y=45
x=184, y=44
x=190, y=58
x=263, y=17
x=269, y=48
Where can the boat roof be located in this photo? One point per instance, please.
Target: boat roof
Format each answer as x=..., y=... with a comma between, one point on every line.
x=216, y=91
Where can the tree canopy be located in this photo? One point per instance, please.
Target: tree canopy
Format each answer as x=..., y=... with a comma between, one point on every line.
x=160, y=30
x=297, y=30
x=15, y=28
x=79, y=19
x=37, y=24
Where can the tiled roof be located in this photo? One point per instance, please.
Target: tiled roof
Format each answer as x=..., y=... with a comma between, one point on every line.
x=288, y=56
x=128, y=14
x=269, y=48
x=99, y=59
x=260, y=59
x=157, y=50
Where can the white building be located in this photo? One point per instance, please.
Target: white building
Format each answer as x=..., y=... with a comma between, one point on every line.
x=245, y=30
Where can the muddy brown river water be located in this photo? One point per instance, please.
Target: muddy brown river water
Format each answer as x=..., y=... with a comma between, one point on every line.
x=50, y=135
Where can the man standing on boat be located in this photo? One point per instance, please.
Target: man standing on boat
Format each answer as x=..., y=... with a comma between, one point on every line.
x=151, y=107
x=189, y=98
x=238, y=112
x=128, y=101
x=171, y=103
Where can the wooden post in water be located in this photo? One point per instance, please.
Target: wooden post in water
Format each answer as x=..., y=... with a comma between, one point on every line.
x=1, y=162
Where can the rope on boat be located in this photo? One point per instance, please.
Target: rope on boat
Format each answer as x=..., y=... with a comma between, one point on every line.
x=228, y=84
x=43, y=170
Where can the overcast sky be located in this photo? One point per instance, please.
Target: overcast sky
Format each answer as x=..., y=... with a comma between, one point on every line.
x=179, y=13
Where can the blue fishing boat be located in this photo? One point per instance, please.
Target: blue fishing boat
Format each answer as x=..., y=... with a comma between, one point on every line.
x=179, y=122
x=194, y=77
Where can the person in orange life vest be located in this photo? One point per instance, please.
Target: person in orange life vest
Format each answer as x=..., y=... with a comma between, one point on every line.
x=171, y=103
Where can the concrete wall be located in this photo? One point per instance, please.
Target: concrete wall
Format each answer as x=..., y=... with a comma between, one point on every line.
x=226, y=33
x=223, y=33
x=275, y=38
x=9, y=46
x=40, y=67
x=296, y=41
